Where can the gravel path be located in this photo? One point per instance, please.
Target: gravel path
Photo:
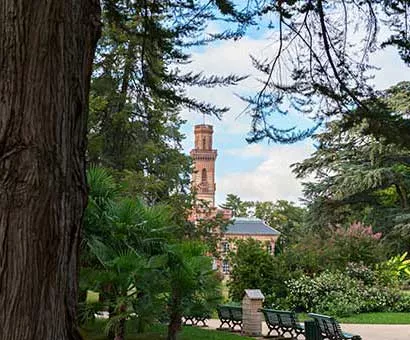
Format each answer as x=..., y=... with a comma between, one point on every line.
x=367, y=332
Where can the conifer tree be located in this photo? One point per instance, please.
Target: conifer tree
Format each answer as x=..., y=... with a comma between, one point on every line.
x=358, y=176
x=139, y=89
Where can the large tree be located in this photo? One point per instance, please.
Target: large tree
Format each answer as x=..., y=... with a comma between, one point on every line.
x=359, y=176
x=46, y=54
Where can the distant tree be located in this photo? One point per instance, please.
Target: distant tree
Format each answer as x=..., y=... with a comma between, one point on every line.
x=252, y=268
x=238, y=207
x=284, y=216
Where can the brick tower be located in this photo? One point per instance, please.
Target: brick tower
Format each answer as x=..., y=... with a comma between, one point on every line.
x=203, y=178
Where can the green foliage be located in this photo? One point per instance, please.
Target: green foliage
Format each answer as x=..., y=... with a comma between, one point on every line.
x=193, y=285
x=333, y=249
x=403, y=304
x=238, y=207
x=394, y=271
x=254, y=267
x=140, y=260
x=360, y=177
x=337, y=293
x=138, y=90
x=357, y=243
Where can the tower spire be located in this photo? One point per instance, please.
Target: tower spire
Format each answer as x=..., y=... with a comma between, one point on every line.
x=203, y=178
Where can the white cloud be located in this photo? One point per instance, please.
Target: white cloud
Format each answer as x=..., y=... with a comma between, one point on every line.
x=272, y=179
x=250, y=151
x=392, y=69
x=224, y=58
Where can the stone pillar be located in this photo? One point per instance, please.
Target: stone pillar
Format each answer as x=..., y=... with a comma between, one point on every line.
x=252, y=318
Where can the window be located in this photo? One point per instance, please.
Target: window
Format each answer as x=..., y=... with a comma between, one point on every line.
x=204, y=176
x=204, y=143
x=225, y=267
x=269, y=248
x=225, y=247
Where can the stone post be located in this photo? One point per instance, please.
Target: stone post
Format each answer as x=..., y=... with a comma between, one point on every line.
x=252, y=318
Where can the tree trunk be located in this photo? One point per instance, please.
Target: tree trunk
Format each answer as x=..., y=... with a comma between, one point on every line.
x=46, y=53
x=175, y=321
x=120, y=332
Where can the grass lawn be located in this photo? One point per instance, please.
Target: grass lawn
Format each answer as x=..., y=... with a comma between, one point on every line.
x=371, y=318
x=95, y=331
x=378, y=318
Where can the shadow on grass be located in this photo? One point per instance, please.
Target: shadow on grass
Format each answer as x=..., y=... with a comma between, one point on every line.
x=95, y=331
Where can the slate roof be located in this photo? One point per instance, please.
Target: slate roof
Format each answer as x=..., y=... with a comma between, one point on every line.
x=250, y=226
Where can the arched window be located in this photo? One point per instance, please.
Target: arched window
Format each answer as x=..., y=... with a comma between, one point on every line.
x=204, y=143
x=204, y=176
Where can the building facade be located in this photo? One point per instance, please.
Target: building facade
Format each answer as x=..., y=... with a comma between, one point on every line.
x=203, y=182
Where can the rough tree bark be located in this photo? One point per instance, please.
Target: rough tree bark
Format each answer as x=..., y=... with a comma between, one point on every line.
x=46, y=52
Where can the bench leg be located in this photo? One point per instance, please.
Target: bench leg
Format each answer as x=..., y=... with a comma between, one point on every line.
x=284, y=331
x=299, y=333
x=272, y=329
x=236, y=323
x=190, y=320
x=203, y=321
x=227, y=322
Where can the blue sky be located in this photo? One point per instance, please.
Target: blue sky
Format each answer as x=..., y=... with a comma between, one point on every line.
x=259, y=171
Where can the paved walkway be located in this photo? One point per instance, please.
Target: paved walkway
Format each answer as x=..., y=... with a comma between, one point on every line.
x=367, y=332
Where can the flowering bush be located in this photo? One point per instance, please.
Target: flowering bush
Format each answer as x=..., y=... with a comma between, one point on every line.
x=403, y=304
x=361, y=272
x=358, y=244
x=321, y=292
x=379, y=299
x=339, y=294
x=359, y=230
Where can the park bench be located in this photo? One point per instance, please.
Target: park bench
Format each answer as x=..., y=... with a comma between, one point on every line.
x=282, y=323
x=195, y=315
x=196, y=320
x=330, y=328
x=231, y=316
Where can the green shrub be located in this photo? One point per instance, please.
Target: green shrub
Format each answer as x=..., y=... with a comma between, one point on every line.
x=379, y=299
x=402, y=304
x=339, y=303
x=361, y=272
x=338, y=294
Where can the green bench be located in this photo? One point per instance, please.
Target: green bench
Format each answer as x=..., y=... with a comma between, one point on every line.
x=282, y=323
x=330, y=328
x=196, y=314
x=196, y=319
x=231, y=316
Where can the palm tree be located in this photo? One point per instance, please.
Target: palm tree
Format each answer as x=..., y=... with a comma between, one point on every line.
x=191, y=278
x=122, y=238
